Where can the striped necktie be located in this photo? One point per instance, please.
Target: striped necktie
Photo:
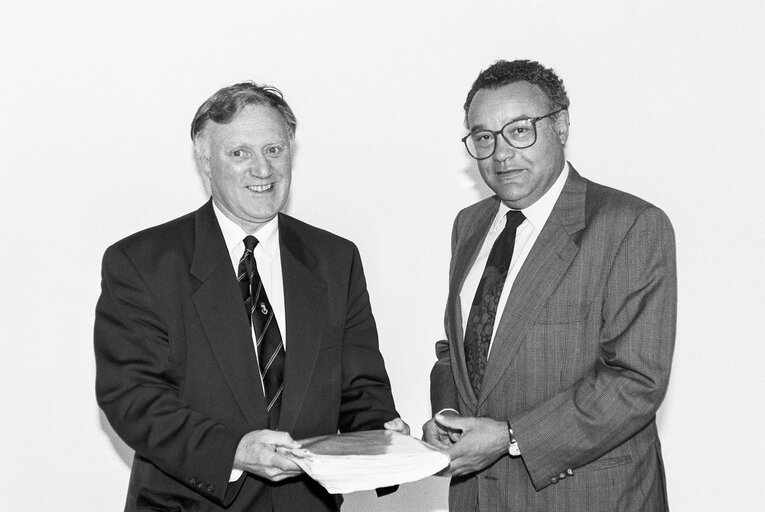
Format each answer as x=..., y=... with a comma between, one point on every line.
x=268, y=339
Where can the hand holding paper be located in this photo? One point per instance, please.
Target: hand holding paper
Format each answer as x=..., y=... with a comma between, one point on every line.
x=480, y=443
x=436, y=434
x=263, y=453
x=359, y=461
x=397, y=425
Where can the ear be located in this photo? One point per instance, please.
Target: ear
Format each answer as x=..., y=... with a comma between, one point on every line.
x=201, y=149
x=561, y=126
x=204, y=165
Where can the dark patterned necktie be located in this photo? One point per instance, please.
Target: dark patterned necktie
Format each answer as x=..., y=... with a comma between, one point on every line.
x=480, y=323
x=268, y=339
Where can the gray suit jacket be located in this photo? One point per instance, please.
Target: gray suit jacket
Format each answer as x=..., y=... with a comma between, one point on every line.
x=581, y=357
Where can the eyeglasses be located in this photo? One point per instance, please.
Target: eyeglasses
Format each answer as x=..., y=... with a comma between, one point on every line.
x=520, y=134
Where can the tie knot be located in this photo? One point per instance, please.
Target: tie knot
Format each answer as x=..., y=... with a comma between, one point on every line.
x=514, y=218
x=250, y=242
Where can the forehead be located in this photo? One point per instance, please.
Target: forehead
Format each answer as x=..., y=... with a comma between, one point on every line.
x=502, y=104
x=253, y=124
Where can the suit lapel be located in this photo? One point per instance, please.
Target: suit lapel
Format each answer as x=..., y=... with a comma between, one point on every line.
x=219, y=305
x=305, y=301
x=545, y=266
x=465, y=253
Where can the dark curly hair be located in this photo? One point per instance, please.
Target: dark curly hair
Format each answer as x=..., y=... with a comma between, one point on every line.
x=222, y=106
x=503, y=73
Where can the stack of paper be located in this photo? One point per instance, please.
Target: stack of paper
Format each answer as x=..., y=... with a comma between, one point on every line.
x=361, y=461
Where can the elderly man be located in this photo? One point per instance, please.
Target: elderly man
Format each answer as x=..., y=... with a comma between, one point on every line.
x=227, y=334
x=560, y=320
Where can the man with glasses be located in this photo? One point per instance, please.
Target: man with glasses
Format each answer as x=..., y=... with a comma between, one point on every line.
x=224, y=336
x=560, y=320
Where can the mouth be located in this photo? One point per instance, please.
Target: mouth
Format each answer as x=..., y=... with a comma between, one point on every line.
x=260, y=188
x=509, y=173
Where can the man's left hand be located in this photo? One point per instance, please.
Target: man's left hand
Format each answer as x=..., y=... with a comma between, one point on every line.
x=482, y=442
x=397, y=425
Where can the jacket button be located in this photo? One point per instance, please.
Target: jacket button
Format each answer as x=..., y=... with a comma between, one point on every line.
x=554, y=480
x=210, y=489
x=570, y=472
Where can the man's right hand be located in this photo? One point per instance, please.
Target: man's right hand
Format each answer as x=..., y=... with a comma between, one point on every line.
x=260, y=452
x=439, y=436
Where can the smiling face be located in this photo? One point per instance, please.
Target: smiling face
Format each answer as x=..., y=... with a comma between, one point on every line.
x=519, y=176
x=249, y=164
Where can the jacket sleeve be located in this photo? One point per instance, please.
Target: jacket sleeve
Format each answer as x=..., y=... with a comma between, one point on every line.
x=623, y=391
x=366, y=401
x=443, y=390
x=138, y=389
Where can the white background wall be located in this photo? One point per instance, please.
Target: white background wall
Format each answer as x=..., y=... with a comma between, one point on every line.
x=96, y=98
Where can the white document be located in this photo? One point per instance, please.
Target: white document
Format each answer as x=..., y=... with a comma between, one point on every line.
x=359, y=461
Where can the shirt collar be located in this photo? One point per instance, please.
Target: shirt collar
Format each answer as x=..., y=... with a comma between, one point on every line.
x=233, y=234
x=538, y=213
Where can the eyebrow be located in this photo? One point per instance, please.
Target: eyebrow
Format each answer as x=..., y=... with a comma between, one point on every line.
x=480, y=127
x=235, y=143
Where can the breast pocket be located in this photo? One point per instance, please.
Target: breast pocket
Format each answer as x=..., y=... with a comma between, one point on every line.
x=562, y=345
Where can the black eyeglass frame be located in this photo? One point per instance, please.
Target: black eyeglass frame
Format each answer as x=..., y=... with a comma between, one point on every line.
x=501, y=131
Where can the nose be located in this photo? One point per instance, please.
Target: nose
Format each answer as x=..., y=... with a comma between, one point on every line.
x=261, y=167
x=503, y=151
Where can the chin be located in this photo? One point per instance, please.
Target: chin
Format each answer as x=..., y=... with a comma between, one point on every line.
x=512, y=198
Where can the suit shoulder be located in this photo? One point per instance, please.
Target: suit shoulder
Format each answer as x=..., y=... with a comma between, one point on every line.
x=313, y=236
x=160, y=238
x=477, y=209
x=480, y=206
x=617, y=204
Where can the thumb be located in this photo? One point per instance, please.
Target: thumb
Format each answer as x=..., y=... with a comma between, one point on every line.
x=282, y=439
x=452, y=422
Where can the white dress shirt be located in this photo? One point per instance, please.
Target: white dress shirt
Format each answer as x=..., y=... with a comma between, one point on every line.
x=268, y=258
x=525, y=236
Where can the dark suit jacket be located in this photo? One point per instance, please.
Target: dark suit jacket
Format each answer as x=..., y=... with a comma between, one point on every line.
x=177, y=375
x=581, y=358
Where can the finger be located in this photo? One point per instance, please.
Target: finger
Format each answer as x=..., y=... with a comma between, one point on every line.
x=431, y=428
x=282, y=439
x=450, y=422
x=397, y=425
x=459, y=466
x=283, y=476
x=439, y=441
x=393, y=424
x=454, y=470
x=459, y=472
x=432, y=439
x=431, y=432
x=293, y=452
x=285, y=464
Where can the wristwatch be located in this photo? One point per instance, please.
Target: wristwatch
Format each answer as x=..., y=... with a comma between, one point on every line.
x=513, y=449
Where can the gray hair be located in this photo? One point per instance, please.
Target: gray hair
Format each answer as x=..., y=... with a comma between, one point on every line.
x=225, y=104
